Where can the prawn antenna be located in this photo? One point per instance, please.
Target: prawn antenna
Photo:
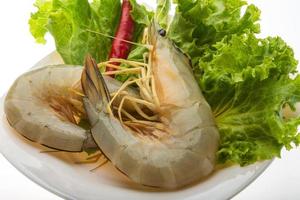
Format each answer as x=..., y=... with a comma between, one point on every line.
x=112, y=37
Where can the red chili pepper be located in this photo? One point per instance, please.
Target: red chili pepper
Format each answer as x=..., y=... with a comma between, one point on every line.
x=121, y=48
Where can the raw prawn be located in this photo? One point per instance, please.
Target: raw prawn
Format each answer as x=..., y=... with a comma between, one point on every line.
x=175, y=148
x=45, y=106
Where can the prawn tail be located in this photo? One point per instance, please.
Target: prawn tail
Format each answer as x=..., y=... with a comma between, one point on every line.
x=94, y=88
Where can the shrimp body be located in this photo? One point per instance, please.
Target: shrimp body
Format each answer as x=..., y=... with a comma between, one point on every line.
x=187, y=151
x=45, y=106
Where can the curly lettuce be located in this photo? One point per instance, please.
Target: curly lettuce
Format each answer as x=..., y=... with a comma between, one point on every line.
x=246, y=80
x=199, y=24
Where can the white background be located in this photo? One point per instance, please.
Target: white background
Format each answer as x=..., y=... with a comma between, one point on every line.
x=18, y=52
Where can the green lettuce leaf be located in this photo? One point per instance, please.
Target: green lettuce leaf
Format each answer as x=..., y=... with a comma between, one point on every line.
x=247, y=82
x=140, y=14
x=137, y=54
x=39, y=20
x=142, y=17
x=162, y=13
x=70, y=22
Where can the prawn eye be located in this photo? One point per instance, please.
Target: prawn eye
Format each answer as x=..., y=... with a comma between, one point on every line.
x=162, y=32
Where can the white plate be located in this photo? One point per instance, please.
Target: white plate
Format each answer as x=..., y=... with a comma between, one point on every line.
x=58, y=173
